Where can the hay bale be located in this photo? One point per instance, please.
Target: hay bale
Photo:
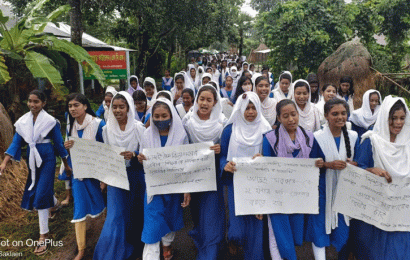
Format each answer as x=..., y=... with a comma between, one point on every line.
x=6, y=130
x=350, y=59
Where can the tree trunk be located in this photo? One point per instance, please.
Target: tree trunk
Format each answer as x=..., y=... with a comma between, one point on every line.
x=170, y=53
x=240, y=42
x=76, y=38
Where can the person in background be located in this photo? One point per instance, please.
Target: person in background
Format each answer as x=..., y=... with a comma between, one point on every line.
x=252, y=68
x=329, y=92
x=215, y=73
x=268, y=104
x=167, y=81
x=176, y=91
x=314, y=88
x=284, y=90
x=141, y=106
x=134, y=85
x=150, y=89
x=265, y=69
x=224, y=73
x=110, y=92
x=346, y=91
x=229, y=90
x=244, y=85
x=187, y=102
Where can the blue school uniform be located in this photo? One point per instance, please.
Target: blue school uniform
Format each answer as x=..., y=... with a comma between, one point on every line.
x=167, y=84
x=163, y=214
x=41, y=195
x=315, y=227
x=360, y=130
x=121, y=235
x=368, y=241
x=245, y=231
x=100, y=112
x=288, y=228
x=88, y=199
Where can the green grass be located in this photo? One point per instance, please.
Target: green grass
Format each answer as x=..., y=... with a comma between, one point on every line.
x=25, y=227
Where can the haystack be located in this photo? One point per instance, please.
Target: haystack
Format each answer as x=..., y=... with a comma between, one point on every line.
x=13, y=180
x=350, y=59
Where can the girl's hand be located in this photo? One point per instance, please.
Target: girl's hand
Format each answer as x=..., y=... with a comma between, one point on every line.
x=336, y=165
x=257, y=155
x=260, y=217
x=127, y=155
x=103, y=187
x=2, y=168
x=216, y=148
x=319, y=163
x=230, y=103
x=381, y=173
x=141, y=158
x=230, y=167
x=187, y=200
x=350, y=161
x=68, y=144
x=178, y=94
x=68, y=171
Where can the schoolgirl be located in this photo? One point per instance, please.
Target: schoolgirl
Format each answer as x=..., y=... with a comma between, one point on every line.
x=203, y=124
x=336, y=146
x=120, y=237
x=292, y=141
x=268, y=105
x=224, y=73
x=205, y=79
x=242, y=137
x=162, y=213
x=110, y=92
x=233, y=72
x=88, y=199
x=309, y=115
x=188, y=101
x=245, y=84
x=141, y=106
x=176, y=91
x=150, y=89
x=329, y=92
x=37, y=129
x=134, y=84
x=167, y=81
x=314, y=88
x=229, y=90
x=284, y=89
x=384, y=152
x=365, y=117
x=346, y=91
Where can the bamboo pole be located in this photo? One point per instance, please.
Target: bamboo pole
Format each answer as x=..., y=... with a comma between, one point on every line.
x=394, y=82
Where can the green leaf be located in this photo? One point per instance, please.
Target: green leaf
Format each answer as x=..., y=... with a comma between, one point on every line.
x=38, y=5
x=3, y=19
x=58, y=12
x=11, y=54
x=4, y=73
x=40, y=66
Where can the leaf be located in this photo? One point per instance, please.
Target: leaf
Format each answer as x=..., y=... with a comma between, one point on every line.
x=58, y=12
x=11, y=54
x=40, y=66
x=4, y=73
x=38, y=5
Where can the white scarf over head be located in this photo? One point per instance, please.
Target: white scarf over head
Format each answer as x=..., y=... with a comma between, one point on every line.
x=164, y=91
x=392, y=157
x=309, y=117
x=152, y=81
x=278, y=93
x=130, y=88
x=34, y=133
x=113, y=91
x=233, y=71
x=187, y=82
x=327, y=143
x=198, y=78
x=246, y=138
x=363, y=116
x=193, y=81
x=206, y=74
x=268, y=105
x=204, y=130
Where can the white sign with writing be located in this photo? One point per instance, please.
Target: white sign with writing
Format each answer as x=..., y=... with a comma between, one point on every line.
x=367, y=197
x=180, y=169
x=268, y=185
x=100, y=161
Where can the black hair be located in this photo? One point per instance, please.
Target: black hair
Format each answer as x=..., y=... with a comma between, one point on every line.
x=399, y=105
x=326, y=86
x=139, y=95
x=190, y=92
x=247, y=73
x=40, y=94
x=346, y=79
x=164, y=94
x=378, y=96
x=207, y=88
x=168, y=70
x=285, y=76
x=133, y=79
x=312, y=78
x=180, y=76
x=119, y=96
x=301, y=84
x=328, y=106
x=83, y=100
x=239, y=90
x=265, y=67
x=161, y=104
x=251, y=65
x=209, y=68
x=259, y=79
x=279, y=106
x=148, y=83
x=108, y=94
x=213, y=84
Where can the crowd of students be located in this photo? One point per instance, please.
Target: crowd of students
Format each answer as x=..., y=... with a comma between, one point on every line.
x=245, y=114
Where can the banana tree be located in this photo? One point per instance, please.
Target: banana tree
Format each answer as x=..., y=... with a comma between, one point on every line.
x=20, y=52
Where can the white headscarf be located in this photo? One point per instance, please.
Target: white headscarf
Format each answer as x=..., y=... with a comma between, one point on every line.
x=174, y=89
x=198, y=78
x=209, y=76
x=392, y=157
x=309, y=117
x=204, y=130
x=164, y=91
x=131, y=89
x=113, y=91
x=246, y=138
x=34, y=133
x=130, y=138
x=278, y=93
x=187, y=81
x=363, y=116
x=176, y=135
x=268, y=105
x=233, y=71
x=193, y=81
x=152, y=81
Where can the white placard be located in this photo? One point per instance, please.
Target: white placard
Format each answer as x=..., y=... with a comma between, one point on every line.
x=100, y=161
x=268, y=185
x=367, y=197
x=180, y=169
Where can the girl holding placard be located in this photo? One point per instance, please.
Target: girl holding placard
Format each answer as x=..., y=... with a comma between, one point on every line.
x=162, y=213
x=336, y=146
x=242, y=137
x=121, y=235
x=384, y=152
x=205, y=124
x=88, y=199
x=291, y=141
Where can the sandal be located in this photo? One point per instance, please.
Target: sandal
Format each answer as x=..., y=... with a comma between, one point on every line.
x=42, y=248
x=54, y=210
x=167, y=252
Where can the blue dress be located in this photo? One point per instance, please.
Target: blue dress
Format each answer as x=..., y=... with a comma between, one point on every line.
x=315, y=227
x=360, y=130
x=288, y=228
x=245, y=231
x=100, y=112
x=162, y=215
x=121, y=235
x=41, y=195
x=166, y=86
x=88, y=199
x=368, y=241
